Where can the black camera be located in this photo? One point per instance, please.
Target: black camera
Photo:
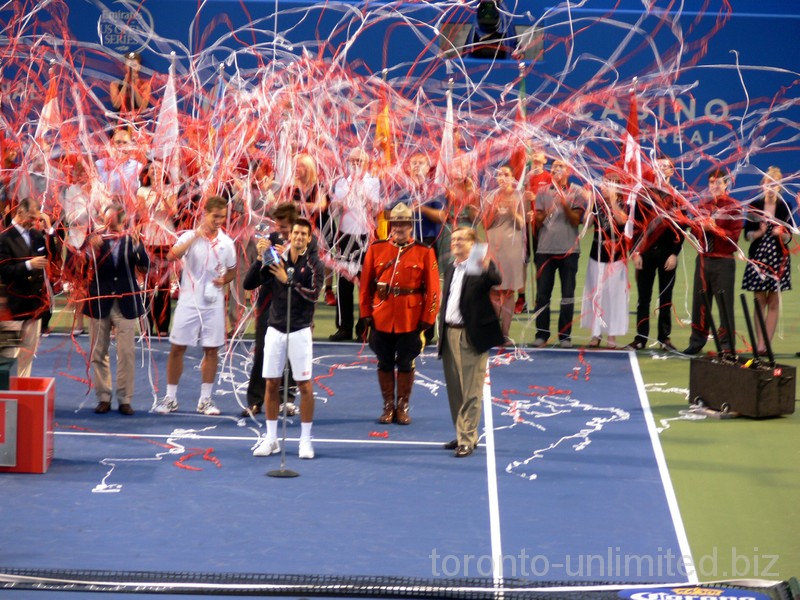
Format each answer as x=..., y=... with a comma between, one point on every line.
x=490, y=32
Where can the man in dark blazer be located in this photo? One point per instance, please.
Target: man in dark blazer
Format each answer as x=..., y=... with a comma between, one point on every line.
x=26, y=248
x=114, y=300
x=468, y=328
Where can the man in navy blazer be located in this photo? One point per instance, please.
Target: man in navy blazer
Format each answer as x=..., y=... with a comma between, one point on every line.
x=468, y=328
x=25, y=251
x=114, y=300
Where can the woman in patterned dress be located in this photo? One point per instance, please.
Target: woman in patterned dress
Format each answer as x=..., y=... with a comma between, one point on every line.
x=768, y=272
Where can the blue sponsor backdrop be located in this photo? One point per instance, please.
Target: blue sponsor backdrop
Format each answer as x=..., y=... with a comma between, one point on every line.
x=719, y=86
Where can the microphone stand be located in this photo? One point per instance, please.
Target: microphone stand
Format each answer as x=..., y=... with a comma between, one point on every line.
x=762, y=324
x=283, y=472
x=750, y=331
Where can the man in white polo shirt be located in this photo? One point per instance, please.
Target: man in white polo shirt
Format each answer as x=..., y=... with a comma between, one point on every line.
x=209, y=262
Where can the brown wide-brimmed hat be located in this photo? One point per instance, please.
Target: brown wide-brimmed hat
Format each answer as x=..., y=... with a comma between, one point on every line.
x=401, y=214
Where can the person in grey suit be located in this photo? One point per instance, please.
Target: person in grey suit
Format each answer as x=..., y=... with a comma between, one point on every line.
x=468, y=328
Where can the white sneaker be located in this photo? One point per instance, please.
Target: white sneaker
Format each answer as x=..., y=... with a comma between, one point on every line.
x=165, y=406
x=206, y=406
x=306, y=449
x=266, y=446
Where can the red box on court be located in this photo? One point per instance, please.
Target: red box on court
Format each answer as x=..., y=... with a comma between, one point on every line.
x=35, y=398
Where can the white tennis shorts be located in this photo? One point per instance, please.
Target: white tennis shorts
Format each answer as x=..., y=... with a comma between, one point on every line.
x=301, y=353
x=192, y=326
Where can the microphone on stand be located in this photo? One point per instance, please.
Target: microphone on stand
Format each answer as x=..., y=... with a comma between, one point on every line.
x=283, y=471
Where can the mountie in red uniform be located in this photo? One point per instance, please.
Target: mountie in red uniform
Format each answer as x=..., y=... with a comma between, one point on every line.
x=399, y=299
x=400, y=286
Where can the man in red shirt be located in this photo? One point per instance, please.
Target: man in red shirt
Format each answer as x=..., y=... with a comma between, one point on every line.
x=537, y=180
x=716, y=225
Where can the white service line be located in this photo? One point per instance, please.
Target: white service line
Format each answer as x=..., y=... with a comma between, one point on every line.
x=491, y=479
x=666, y=482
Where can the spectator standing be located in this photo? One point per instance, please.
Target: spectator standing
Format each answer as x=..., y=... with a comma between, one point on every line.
x=26, y=248
x=157, y=200
x=558, y=213
x=505, y=232
x=716, y=225
x=538, y=179
x=768, y=272
x=114, y=300
x=356, y=201
x=657, y=243
x=605, y=295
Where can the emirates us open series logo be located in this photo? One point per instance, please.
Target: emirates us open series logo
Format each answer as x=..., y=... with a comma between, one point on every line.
x=692, y=593
x=125, y=26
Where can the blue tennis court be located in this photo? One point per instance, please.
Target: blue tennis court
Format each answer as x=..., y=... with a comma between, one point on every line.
x=569, y=482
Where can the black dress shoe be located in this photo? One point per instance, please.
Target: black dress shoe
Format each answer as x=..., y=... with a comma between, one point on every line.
x=635, y=345
x=341, y=335
x=126, y=409
x=252, y=410
x=102, y=407
x=463, y=451
x=451, y=445
x=692, y=350
x=668, y=346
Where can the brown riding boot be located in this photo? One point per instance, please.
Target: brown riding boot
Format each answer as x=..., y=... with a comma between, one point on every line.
x=386, y=381
x=405, y=381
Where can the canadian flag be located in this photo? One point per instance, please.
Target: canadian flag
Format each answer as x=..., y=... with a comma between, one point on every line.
x=50, y=117
x=447, y=149
x=632, y=163
x=165, y=136
x=519, y=155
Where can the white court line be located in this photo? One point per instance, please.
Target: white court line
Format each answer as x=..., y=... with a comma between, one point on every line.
x=491, y=480
x=666, y=482
x=250, y=439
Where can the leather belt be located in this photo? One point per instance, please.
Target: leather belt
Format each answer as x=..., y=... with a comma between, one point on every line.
x=451, y=326
x=398, y=291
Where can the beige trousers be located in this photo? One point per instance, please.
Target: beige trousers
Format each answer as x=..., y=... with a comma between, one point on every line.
x=464, y=374
x=29, y=334
x=100, y=332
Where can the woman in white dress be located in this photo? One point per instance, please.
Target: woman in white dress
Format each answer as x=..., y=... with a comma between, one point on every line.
x=606, y=293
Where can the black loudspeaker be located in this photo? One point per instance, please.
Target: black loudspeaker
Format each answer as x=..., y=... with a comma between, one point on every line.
x=741, y=387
